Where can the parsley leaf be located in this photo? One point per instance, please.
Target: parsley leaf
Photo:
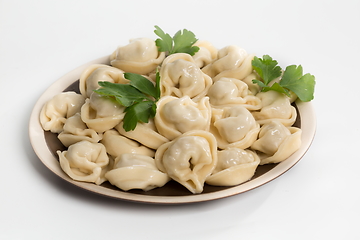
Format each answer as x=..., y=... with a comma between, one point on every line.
x=165, y=42
x=139, y=97
x=142, y=84
x=157, y=85
x=124, y=94
x=182, y=42
x=302, y=85
x=291, y=80
x=139, y=112
x=266, y=68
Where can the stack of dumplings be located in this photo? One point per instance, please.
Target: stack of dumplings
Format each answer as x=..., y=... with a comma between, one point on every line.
x=212, y=126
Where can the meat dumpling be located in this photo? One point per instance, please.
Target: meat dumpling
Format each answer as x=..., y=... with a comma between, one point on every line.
x=75, y=130
x=85, y=161
x=99, y=73
x=116, y=145
x=178, y=115
x=140, y=56
x=189, y=159
x=62, y=106
x=235, y=166
x=234, y=127
x=144, y=133
x=207, y=53
x=180, y=76
x=101, y=113
x=275, y=106
x=276, y=142
x=232, y=92
x=135, y=171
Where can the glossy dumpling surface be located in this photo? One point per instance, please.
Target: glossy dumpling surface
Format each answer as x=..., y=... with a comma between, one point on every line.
x=95, y=73
x=189, y=159
x=234, y=127
x=85, y=161
x=134, y=171
x=178, y=115
x=144, y=133
x=62, y=106
x=140, y=56
x=75, y=130
x=231, y=92
x=101, y=113
x=275, y=106
x=276, y=142
x=116, y=145
x=180, y=76
x=235, y=166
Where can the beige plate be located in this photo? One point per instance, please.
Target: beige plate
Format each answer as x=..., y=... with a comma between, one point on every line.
x=45, y=144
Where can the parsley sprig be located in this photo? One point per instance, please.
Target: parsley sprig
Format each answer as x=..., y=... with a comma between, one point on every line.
x=292, y=79
x=182, y=42
x=139, y=98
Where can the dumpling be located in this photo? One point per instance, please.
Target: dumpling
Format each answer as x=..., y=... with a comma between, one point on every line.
x=232, y=92
x=85, y=161
x=140, y=56
x=180, y=76
x=232, y=62
x=75, y=130
x=134, y=171
x=101, y=113
x=254, y=88
x=144, y=133
x=241, y=72
x=99, y=72
x=275, y=106
x=229, y=57
x=276, y=142
x=62, y=106
x=188, y=159
x=234, y=127
x=234, y=166
x=117, y=144
x=207, y=53
x=178, y=115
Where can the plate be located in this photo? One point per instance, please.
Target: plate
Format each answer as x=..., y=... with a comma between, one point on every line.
x=45, y=145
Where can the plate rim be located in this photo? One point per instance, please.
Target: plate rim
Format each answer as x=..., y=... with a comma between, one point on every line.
x=37, y=140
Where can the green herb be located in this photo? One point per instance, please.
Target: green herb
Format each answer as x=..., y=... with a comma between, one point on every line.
x=139, y=97
x=292, y=78
x=182, y=42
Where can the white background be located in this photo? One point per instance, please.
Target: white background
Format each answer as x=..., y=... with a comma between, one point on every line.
x=318, y=198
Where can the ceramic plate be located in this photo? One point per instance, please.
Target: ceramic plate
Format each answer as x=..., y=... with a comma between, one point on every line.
x=45, y=145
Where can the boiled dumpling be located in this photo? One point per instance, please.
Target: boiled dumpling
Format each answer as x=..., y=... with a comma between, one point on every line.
x=140, y=56
x=276, y=142
x=99, y=72
x=180, y=76
x=232, y=62
x=189, y=159
x=75, y=130
x=207, y=53
x=254, y=88
x=275, y=106
x=62, y=106
x=179, y=115
x=231, y=92
x=144, y=133
x=235, y=166
x=234, y=127
x=135, y=171
x=241, y=72
x=101, y=113
x=117, y=144
x=85, y=161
